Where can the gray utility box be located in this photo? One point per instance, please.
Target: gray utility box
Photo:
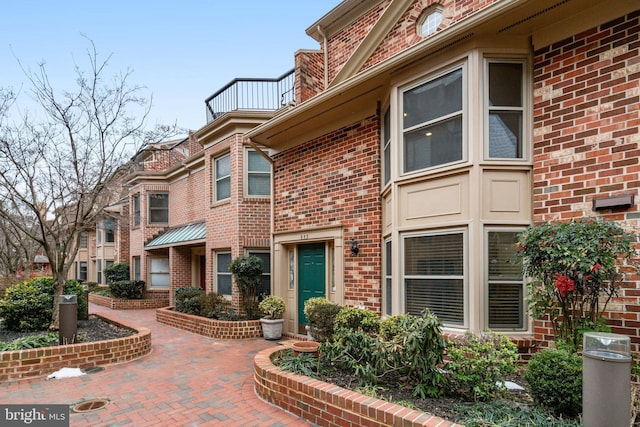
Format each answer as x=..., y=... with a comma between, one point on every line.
x=68, y=319
x=606, y=380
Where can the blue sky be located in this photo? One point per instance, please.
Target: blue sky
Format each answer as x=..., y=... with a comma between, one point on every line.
x=181, y=51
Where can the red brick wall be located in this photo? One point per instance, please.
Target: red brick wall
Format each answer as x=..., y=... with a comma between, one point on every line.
x=586, y=135
x=329, y=405
x=335, y=180
x=212, y=328
x=309, y=73
x=187, y=199
x=179, y=269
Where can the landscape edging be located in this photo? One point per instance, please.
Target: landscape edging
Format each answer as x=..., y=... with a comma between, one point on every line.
x=211, y=328
x=322, y=403
x=35, y=362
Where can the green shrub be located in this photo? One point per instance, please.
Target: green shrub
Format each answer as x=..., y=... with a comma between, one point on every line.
x=116, y=272
x=189, y=300
x=247, y=271
x=28, y=305
x=357, y=319
x=478, y=363
x=410, y=348
x=34, y=341
x=321, y=314
x=555, y=381
x=272, y=307
x=127, y=289
x=215, y=306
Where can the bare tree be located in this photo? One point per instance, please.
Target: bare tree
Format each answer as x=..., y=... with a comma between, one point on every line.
x=59, y=170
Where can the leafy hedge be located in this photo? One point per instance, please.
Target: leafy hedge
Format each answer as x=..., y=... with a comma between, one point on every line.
x=127, y=289
x=28, y=305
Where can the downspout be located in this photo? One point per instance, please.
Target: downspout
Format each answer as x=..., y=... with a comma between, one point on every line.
x=326, y=56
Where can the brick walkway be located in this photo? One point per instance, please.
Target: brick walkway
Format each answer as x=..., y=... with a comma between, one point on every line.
x=187, y=380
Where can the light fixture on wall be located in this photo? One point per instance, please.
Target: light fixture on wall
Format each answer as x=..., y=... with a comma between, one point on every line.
x=354, y=247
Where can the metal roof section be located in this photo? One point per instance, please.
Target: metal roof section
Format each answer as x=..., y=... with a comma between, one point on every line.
x=190, y=233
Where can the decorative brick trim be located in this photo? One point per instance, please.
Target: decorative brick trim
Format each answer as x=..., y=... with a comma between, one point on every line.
x=128, y=304
x=212, y=328
x=327, y=404
x=21, y=364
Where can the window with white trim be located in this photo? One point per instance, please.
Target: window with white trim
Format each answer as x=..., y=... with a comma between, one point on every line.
x=505, y=285
x=504, y=119
x=158, y=208
x=223, y=275
x=258, y=174
x=135, y=210
x=386, y=146
x=99, y=272
x=432, y=122
x=431, y=21
x=136, y=268
x=159, y=272
x=222, y=181
x=109, y=231
x=434, y=275
x=84, y=239
x=265, y=280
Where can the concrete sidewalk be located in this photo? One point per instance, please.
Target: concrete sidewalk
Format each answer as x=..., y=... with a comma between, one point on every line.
x=186, y=380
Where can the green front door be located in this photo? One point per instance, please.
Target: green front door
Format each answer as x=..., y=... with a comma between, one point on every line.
x=311, y=277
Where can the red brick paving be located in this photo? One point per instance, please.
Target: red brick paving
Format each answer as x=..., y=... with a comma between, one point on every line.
x=186, y=380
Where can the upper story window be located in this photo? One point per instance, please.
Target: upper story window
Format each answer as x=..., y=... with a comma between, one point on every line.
x=158, y=208
x=431, y=21
x=222, y=174
x=135, y=210
x=109, y=231
x=504, y=93
x=258, y=174
x=432, y=123
x=84, y=239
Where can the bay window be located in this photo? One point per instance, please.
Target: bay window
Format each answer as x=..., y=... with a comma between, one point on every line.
x=158, y=208
x=222, y=174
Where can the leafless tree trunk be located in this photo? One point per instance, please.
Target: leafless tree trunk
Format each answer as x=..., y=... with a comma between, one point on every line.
x=60, y=169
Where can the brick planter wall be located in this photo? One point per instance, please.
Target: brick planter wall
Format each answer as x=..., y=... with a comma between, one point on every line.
x=221, y=329
x=128, y=304
x=21, y=364
x=326, y=404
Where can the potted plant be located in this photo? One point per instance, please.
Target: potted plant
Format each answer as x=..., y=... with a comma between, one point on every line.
x=272, y=308
x=247, y=271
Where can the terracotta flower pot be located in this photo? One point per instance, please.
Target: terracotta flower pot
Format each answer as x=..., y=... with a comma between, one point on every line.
x=310, y=347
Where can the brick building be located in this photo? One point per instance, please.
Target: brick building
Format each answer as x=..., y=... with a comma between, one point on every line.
x=426, y=134
x=394, y=167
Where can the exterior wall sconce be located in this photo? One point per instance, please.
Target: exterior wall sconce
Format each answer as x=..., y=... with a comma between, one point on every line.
x=354, y=247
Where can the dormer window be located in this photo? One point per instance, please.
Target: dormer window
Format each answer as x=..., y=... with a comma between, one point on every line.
x=431, y=20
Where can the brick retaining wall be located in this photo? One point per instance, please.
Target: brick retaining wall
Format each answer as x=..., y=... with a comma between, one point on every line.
x=128, y=304
x=21, y=364
x=326, y=404
x=211, y=328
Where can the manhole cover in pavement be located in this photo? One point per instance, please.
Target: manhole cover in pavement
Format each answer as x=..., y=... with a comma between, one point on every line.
x=90, y=405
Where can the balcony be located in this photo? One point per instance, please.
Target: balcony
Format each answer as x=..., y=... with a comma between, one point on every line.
x=251, y=94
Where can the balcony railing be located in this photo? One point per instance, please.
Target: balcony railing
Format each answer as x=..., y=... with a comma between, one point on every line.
x=251, y=94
